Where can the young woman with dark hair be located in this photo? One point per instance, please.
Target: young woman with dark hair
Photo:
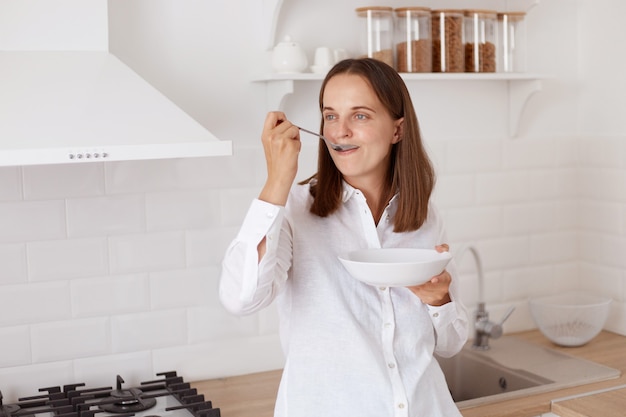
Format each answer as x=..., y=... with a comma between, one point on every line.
x=351, y=349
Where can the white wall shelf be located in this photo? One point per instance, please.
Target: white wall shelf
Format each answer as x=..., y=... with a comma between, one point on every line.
x=521, y=87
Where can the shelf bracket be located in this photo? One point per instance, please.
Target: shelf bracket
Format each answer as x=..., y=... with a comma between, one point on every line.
x=276, y=93
x=520, y=92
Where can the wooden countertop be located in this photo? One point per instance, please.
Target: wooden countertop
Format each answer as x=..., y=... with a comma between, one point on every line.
x=254, y=395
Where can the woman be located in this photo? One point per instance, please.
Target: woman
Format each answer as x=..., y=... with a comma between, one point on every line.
x=351, y=349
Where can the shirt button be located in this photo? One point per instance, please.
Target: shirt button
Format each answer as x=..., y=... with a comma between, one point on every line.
x=436, y=315
x=269, y=214
x=382, y=288
x=391, y=365
x=388, y=325
x=401, y=405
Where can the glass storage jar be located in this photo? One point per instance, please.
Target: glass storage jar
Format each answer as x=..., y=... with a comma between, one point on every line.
x=511, y=42
x=447, y=38
x=480, y=40
x=413, y=39
x=377, y=32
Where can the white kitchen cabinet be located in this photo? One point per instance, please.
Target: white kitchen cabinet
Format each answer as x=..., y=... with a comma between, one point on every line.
x=521, y=86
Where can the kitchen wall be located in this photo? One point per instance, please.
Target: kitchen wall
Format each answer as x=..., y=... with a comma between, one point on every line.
x=112, y=267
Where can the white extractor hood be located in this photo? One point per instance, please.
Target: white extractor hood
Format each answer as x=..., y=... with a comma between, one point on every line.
x=59, y=104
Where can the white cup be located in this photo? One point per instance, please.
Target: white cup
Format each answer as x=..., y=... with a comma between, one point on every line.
x=340, y=54
x=324, y=57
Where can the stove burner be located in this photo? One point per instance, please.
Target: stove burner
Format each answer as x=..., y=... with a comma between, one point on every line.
x=8, y=410
x=126, y=400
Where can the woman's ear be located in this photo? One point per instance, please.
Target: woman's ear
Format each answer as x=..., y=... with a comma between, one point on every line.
x=398, y=131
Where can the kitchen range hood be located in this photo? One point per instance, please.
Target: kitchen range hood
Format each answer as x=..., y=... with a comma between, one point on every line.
x=75, y=106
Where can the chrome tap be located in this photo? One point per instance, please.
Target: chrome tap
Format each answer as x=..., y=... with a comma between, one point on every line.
x=484, y=329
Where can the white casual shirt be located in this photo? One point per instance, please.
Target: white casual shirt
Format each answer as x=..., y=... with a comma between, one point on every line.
x=351, y=349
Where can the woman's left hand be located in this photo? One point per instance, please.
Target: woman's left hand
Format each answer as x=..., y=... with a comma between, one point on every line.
x=436, y=291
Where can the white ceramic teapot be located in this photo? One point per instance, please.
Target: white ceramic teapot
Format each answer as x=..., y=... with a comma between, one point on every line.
x=288, y=56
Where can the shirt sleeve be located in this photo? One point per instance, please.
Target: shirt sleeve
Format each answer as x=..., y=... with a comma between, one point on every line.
x=247, y=285
x=450, y=320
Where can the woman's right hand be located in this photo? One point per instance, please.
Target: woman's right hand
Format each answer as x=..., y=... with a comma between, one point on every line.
x=281, y=143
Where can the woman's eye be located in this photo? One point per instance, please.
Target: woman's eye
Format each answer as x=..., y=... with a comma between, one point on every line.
x=329, y=117
x=361, y=116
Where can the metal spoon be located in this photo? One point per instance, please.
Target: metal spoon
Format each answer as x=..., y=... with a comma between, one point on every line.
x=335, y=146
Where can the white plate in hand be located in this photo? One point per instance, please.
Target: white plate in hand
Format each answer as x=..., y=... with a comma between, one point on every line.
x=395, y=267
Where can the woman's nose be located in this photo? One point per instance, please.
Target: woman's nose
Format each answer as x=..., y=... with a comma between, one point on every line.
x=339, y=129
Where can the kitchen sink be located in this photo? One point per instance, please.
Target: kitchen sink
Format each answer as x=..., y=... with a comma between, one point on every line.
x=513, y=368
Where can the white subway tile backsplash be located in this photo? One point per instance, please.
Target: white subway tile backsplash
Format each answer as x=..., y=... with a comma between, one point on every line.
x=553, y=248
x=15, y=346
x=529, y=218
x=10, y=184
x=455, y=191
x=64, y=340
x=67, y=259
x=505, y=253
x=152, y=330
x=181, y=210
x=235, y=204
x=148, y=252
x=212, y=322
x=502, y=187
x=101, y=371
x=521, y=284
x=32, y=220
x=206, y=247
x=22, y=381
x=100, y=216
x=597, y=216
x=34, y=303
x=531, y=152
x=63, y=180
x=110, y=295
x=184, y=287
x=140, y=176
x=607, y=185
x=222, y=357
x=474, y=222
x=13, y=261
x=602, y=280
x=473, y=156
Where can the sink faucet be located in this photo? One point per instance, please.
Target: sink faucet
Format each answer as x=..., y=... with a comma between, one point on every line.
x=484, y=328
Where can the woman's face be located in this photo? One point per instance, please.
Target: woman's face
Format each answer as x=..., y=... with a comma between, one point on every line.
x=353, y=115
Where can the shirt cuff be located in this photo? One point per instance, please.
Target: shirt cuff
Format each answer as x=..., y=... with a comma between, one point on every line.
x=259, y=220
x=444, y=314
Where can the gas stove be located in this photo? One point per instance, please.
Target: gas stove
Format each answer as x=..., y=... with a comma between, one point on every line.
x=166, y=396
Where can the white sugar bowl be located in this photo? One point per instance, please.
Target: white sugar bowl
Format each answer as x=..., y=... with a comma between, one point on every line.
x=288, y=56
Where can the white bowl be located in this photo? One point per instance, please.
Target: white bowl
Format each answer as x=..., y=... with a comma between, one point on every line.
x=570, y=319
x=395, y=267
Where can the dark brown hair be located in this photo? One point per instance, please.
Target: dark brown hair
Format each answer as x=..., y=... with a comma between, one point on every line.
x=410, y=172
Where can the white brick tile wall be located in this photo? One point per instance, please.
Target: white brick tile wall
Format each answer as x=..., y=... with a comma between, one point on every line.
x=13, y=261
x=181, y=210
x=235, y=204
x=147, y=252
x=206, y=247
x=473, y=156
x=455, y=191
x=64, y=340
x=23, y=221
x=145, y=331
x=18, y=381
x=212, y=322
x=15, y=346
x=10, y=184
x=67, y=259
x=110, y=295
x=502, y=187
x=180, y=288
x=34, y=303
x=474, y=222
x=100, y=371
x=222, y=357
x=48, y=182
x=101, y=216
